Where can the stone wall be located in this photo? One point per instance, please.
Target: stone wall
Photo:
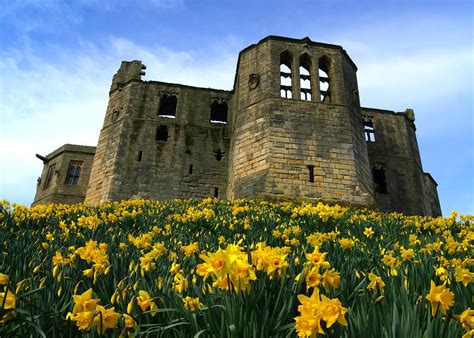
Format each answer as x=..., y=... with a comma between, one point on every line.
x=191, y=162
x=396, y=149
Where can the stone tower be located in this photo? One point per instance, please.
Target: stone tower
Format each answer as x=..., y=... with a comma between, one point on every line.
x=160, y=140
x=297, y=125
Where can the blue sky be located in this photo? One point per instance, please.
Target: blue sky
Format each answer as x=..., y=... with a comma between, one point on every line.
x=57, y=59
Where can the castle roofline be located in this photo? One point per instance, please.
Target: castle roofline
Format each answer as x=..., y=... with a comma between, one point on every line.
x=305, y=40
x=185, y=86
x=76, y=148
x=382, y=111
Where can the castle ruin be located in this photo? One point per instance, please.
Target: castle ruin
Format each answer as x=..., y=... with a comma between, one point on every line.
x=291, y=126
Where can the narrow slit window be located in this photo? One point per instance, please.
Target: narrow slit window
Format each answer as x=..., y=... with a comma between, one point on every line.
x=311, y=173
x=49, y=176
x=219, y=112
x=305, y=78
x=285, y=75
x=139, y=156
x=216, y=192
x=168, y=106
x=369, y=130
x=324, y=81
x=379, y=174
x=73, y=172
x=218, y=154
x=162, y=133
x=190, y=170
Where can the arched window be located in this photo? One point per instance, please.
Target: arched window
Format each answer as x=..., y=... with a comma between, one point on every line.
x=168, y=105
x=379, y=174
x=218, y=112
x=285, y=75
x=324, y=84
x=369, y=130
x=305, y=77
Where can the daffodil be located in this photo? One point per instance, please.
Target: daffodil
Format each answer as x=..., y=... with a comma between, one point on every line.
x=440, y=297
x=376, y=282
x=368, y=232
x=192, y=304
x=84, y=302
x=106, y=319
x=145, y=302
x=3, y=279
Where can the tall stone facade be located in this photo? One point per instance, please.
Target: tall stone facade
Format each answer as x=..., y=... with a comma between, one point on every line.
x=291, y=126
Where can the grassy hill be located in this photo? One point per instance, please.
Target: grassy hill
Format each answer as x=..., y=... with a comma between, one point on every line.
x=211, y=268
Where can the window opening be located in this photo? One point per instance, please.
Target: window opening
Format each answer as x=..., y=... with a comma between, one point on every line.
x=369, y=130
x=305, y=77
x=218, y=112
x=380, y=179
x=168, y=106
x=139, y=157
x=162, y=133
x=190, y=170
x=219, y=154
x=324, y=83
x=285, y=75
x=73, y=172
x=216, y=192
x=311, y=173
x=49, y=176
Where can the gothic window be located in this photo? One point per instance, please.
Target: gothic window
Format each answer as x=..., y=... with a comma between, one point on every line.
x=49, y=176
x=216, y=192
x=168, y=106
x=73, y=172
x=379, y=174
x=140, y=155
x=324, y=84
x=161, y=133
x=369, y=130
x=218, y=112
x=285, y=75
x=305, y=77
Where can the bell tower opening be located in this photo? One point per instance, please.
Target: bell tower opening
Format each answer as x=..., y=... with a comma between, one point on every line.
x=324, y=81
x=285, y=75
x=305, y=77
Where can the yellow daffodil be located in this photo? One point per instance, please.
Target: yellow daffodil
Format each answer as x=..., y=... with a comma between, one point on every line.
x=192, y=304
x=376, y=282
x=368, y=232
x=440, y=297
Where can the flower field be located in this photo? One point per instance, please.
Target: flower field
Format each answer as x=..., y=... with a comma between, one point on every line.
x=213, y=268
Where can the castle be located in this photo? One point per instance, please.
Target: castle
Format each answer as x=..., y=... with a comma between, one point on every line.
x=291, y=126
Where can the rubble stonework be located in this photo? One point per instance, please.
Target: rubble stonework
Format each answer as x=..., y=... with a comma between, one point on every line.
x=291, y=126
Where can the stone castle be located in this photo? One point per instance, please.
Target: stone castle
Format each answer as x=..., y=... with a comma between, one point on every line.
x=292, y=126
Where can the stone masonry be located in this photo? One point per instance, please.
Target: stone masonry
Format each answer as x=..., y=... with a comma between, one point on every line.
x=292, y=127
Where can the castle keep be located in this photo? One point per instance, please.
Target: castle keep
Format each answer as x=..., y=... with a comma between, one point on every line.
x=291, y=126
